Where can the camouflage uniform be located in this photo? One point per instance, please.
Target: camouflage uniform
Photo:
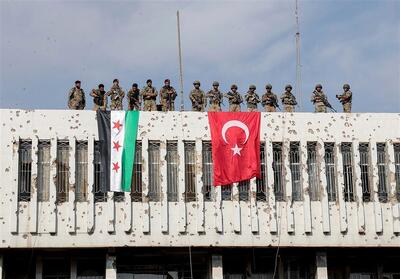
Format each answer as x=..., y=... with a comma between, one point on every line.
x=168, y=95
x=215, y=100
x=197, y=97
x=234, y=99
x=149, y=95
x=99, y=99
x=116, y=95
x=269, y=100
x=346, y=98
x=252, y=99
x=134, y=101
x=76, y=98
x=288, y=99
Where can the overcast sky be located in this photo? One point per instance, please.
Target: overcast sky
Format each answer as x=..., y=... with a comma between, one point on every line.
x=46, y=46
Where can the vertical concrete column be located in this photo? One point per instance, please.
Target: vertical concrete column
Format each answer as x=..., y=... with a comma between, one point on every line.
x=33, y=205
x=90, y=204
x=111, y=266
x=74, y=269
x=216, y=267
x=39, y=268
x=322, y=266
x=1, y=267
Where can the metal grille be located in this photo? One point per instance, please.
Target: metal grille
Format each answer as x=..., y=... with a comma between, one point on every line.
x=243, y=188
x=24, y=170
x=278, y=173
x=190, y=171
x=365, y=171
x=294, y=159
x=347, y=171
x=81, y=171
x=154, y=170
x=382, y=181
x=313, y=171
x=330, y=170
x=136, y=184
x=226, y=192
x=397, y=168
x=172, y=170
x=98, y=175
x=43, y=179
x=207, y=171
x=261, y=182
x=62, y=178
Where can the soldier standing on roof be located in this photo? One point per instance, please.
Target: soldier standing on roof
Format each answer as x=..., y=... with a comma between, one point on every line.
x=269, y=99
x=116, y=95
x=76, y=97
x=99, y=98
x=346, y=98
x=197, y=97
x=167, y=95
x=318, y=98
x=234, y=98
x=215, y=97
x=288, y=99
x=149, y=95
x=134, y=102
x=252, y=98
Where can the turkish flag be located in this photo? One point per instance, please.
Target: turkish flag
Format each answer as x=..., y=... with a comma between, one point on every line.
x=235, y=139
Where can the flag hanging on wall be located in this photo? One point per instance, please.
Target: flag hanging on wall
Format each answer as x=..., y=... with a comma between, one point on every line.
x=117, y=136
x=235, y=140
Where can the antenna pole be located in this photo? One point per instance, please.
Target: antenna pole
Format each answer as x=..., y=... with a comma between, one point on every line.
x=298, y=61
x=180, y=61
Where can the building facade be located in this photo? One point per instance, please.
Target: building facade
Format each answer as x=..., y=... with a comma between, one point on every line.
x=327, y=203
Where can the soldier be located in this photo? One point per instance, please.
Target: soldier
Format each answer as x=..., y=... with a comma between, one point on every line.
x=99, y=98
x=116, y=95
x=149, y=95
x=134, y=102
x=76, y=97
x=345, y=98
x=288, y=99
x=234, y=98
x=252, y=98
x=318, y=98
x=215, y=97
x=269, y=100
x=197, y=97
x=168, y=95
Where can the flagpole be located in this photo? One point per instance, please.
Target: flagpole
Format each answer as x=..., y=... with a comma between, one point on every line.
x=180, y=61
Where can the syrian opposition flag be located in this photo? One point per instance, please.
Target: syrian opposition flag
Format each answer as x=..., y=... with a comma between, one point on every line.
x=235, y=139
x=117, y=136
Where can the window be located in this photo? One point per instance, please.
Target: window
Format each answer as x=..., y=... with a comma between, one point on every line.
x=190, y=171
x=382, y=182
x=397, y=168
x=330, y=171
x=347, y=171
x=136, y=184
x=24, y=170
x=365, y=171
x=172, y=170
x=207, y=171
x=43, y=178
x=294, y=159
x=277, y=168
x=260, y=182
x=62, y=178
x=312, y=168
x=243, y=188
x=154, y=170
x=81, y=169
x=226, y=192
x=99, y=192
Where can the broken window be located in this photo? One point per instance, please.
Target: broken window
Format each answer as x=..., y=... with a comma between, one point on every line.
x=365, y=171
x=136, y=183
x=294, y=157
x=382, y=181
x=99, y=176
x=154, y=171
x=172, y=170
x=313, y=171
x=207, y=171
x=278, y=173
x=81, y=169
x=330, y=170
x=24, y=170
x=62, y=177
x=190, y=171
x=43, y=178
x=261, y=182
x=347, y=171
x=397, y=168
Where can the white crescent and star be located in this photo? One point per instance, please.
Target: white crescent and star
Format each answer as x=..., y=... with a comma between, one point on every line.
x=235, y=123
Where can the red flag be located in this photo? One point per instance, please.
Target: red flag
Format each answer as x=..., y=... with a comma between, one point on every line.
x=235, y=139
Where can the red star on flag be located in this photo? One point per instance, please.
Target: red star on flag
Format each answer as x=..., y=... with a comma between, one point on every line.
x=116, y=145
x=115, y=167
x=117, y=125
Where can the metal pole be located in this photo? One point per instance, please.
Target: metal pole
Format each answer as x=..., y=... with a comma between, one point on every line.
x=298, y=63
x=180, y=61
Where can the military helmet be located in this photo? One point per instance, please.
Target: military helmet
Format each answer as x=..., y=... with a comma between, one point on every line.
x=135, y=85
x=149, y=80
x=318, y=86
x=196, y=82
x=252, y=86
x=101, y=85
x=268, y=86
x=288, y=86
x=234, y=86
x=77, y=81
x=346, y=86
x=115, y=80
x=167, y=80
x=215, y=83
